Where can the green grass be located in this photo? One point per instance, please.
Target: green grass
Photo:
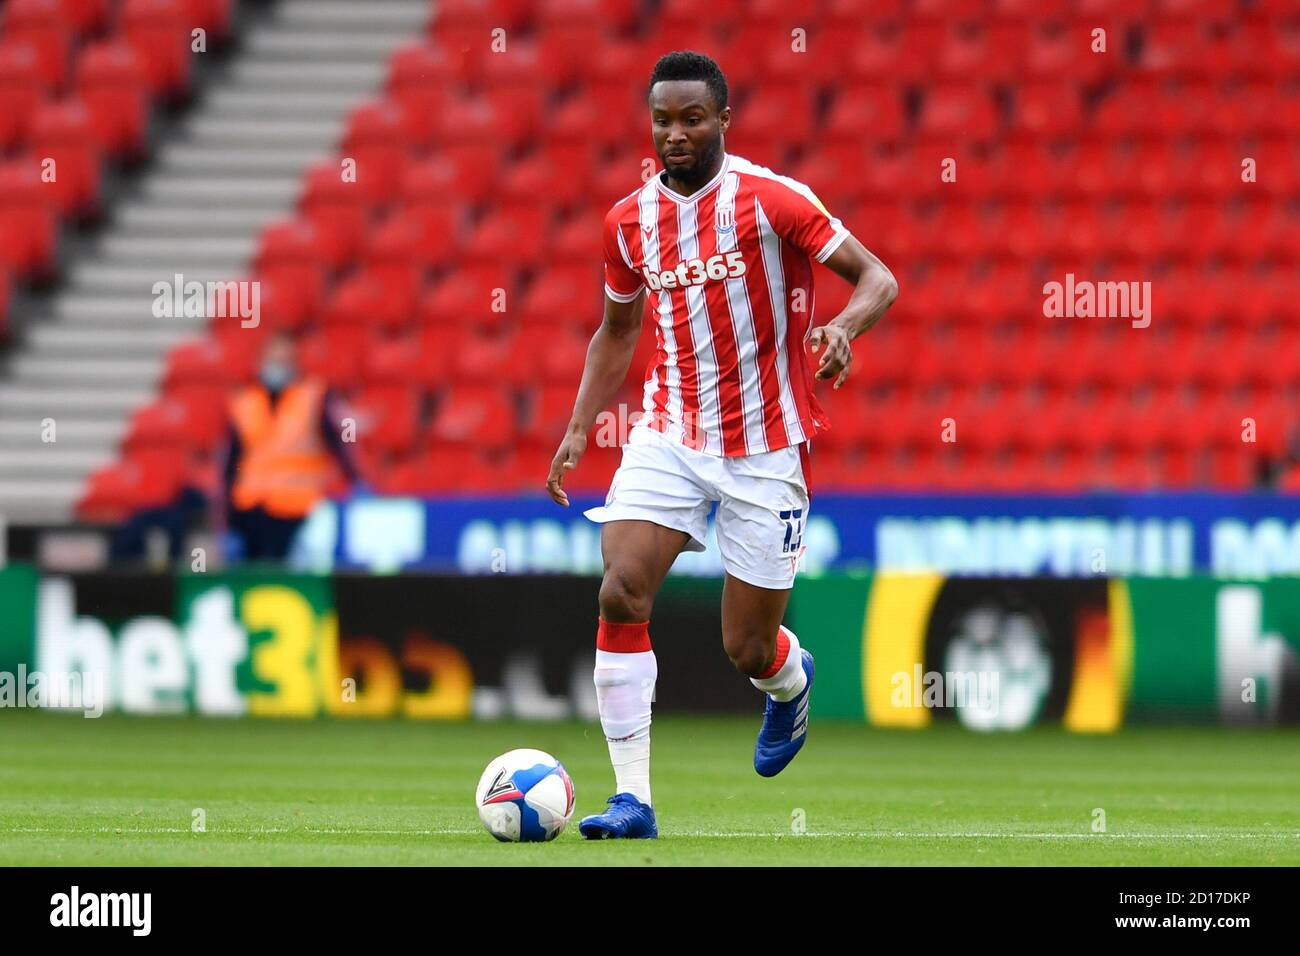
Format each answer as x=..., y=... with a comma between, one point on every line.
x=122, y=790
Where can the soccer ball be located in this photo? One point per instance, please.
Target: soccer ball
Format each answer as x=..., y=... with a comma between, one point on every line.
x=525, y=796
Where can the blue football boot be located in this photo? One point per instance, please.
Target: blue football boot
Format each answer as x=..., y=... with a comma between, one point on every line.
x=628, y=817
x=785, y=727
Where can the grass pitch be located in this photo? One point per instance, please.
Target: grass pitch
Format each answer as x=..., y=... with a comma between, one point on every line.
x=123, y=791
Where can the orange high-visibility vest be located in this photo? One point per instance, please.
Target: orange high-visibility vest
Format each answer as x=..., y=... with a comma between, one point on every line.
x=285, y=465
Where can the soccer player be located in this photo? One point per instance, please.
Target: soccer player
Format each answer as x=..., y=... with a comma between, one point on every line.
x=721, y=249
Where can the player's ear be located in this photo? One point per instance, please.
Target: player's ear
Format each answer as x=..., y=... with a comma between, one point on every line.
x=724, y=119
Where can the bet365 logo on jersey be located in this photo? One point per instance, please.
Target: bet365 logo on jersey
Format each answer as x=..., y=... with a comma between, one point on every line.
x=690, y=272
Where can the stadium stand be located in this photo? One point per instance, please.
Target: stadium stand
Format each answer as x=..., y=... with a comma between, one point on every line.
x=477, y=180
x=107, y=86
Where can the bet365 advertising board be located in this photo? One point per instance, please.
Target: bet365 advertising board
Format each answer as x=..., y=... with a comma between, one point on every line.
x=902, y=651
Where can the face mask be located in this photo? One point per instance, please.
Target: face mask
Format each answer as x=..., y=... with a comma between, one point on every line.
x=276, y=375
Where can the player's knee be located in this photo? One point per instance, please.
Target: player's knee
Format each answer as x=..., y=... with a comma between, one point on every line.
x=747, y=650
x=624, y=598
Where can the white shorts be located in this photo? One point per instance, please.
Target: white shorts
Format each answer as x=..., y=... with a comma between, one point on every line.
x=762, y=502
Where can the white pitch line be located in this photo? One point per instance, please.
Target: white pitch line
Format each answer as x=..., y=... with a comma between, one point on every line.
x=747, y=835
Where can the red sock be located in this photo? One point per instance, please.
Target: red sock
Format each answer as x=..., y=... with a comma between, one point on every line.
x=623, y=638
x=782, y=652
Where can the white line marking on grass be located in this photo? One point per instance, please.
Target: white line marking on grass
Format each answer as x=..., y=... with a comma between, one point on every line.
x=72, y=830
x=725, y=834
x=902, y=835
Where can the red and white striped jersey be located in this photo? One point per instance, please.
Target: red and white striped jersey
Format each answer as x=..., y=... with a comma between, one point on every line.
x=730, y=283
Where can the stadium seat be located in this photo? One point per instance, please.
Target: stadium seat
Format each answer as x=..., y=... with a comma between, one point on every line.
x=22, y=88
x=42, y=24
x=387, y=418
x=461, y=268
x=110, y=81
x=63, y=132
x=28, y=224
x=159, y=32
x=477, y=413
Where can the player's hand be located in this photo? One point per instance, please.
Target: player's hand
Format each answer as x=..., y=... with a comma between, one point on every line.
x=837, y=354
x=566, y=459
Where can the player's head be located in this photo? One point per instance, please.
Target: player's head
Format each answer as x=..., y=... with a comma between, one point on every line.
x=688, y=113
x=279, y=361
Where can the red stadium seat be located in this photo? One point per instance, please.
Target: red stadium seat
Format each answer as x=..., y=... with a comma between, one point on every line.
x=896, y=51
x=340, y=210
x=483, y=15
x=335, y=355
x=521, y=227
x=146, y=478
x=972, y=49
x=28, y=226
x=387, y=418
x=1058, y=48
x=214, y=16
x=422, y=359
x=494, y=118
x=176, y=421
x=562, y=295
x=22, y=89
x=159, y=32
x=87, y=17
x=577, y=240
x=562, y=49
x=364, y=300
x=414, y=239
x=550, y=408
x=421, y=78
x=1048, y=107
x=480, y=296
x=959, y=108
x=874, y=107
x=474, y=413
x=560, y=171
x=110, y=81
x=64, y=133
x=470, y=171
x=376, y=140
x=43, y=24
x=208, y=361
x=777, y=113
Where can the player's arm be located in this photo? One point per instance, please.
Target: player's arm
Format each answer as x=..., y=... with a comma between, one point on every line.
x=608, y=358
x=874, y=291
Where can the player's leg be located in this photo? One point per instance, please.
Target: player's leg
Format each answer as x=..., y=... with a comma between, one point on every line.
x=751, y=622
x=760, y=528
x=769, y=654
x=655, y=509
x=759, y=645
x=637, y=555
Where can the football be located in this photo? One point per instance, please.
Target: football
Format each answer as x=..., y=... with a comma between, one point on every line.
x=525, y=796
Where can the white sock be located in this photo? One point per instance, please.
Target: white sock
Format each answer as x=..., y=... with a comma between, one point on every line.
x=788, y=682
x=625, y=686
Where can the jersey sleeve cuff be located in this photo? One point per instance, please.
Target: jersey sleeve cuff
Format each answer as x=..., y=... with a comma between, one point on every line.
x=621, y=296
x=832, y=244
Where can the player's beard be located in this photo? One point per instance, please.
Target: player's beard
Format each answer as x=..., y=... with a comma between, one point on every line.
x=698, y=172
